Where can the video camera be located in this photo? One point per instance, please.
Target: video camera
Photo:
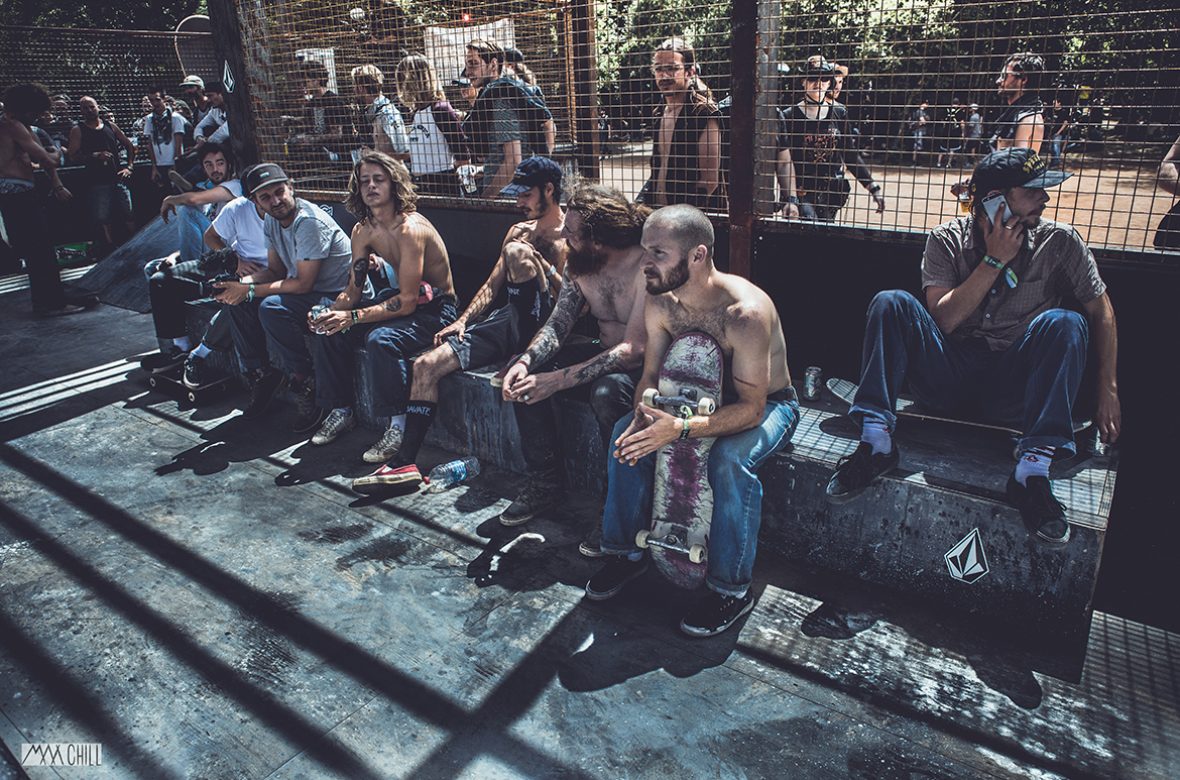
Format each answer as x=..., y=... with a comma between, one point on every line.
x=219, y=265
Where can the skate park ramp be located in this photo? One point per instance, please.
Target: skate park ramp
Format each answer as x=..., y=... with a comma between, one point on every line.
x=118, y=278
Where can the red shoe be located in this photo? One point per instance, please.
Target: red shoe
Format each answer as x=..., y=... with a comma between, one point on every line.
x=387, y=477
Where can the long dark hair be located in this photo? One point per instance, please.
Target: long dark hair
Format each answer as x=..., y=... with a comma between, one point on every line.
x=405, y=198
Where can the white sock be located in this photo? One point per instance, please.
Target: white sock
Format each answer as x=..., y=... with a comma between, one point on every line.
x=1034, y=463
x=201, y=351
x=398, y=421
x=183, y=343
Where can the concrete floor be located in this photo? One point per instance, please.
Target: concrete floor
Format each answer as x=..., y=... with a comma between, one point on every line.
x=207, y=599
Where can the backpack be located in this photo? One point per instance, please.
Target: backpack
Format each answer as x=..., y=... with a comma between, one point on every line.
x=527, y=103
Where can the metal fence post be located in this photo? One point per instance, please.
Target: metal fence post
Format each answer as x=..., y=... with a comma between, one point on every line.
x=742, y=127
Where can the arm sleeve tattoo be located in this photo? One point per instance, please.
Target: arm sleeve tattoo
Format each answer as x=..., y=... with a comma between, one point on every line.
x=566, y=311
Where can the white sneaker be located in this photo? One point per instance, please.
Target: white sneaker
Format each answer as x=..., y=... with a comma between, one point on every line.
x=338, y=422
x=386, y=447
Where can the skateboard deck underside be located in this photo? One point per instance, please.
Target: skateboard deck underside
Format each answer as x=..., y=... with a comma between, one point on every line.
x=682, y=501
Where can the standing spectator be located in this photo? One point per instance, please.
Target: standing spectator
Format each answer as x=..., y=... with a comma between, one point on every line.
x=950, y=135
x=972, y=133
x=388, y=130
x=1167, y=236
x=192, y=92
x=164, y=131
x=814, y=145
x=22, y=207
x=56, y=121
x=97, y=145
x=1022, y=123
x=686, y=157
x=919, y=126
x=504, y=124
x=1060, y=120
x=514, y=67
x=327, y=125
x=437, y=141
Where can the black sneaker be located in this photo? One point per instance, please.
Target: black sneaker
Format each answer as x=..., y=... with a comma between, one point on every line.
x=612, y=577
x=591, y=546
x=714, y=613
x=308, y=416
x=164, y=361
x=197, y=373
x=857, y=471
x=1042, y=512
x=264, y=383
x=541, y=492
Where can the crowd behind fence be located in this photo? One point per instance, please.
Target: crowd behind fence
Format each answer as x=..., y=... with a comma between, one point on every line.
x=867, y=115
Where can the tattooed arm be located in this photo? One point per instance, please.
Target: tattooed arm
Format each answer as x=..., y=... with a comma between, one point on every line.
x=519, y=384
x=624, y=356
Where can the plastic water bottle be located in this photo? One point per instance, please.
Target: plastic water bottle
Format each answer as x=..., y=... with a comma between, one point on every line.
x=444, y=475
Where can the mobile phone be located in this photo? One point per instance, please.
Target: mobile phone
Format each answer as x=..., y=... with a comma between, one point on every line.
x=992, y=203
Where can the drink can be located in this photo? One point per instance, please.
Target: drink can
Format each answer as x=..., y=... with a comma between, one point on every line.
x=813, y=379
x=317, y=311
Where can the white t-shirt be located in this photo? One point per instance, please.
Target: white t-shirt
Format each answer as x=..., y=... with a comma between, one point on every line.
x=429, y=152
x=165, y=153
x=235, y=188
x=241, y=229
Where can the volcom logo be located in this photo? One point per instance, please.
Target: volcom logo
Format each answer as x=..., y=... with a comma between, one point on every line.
x=227, y=77
x=966, y=560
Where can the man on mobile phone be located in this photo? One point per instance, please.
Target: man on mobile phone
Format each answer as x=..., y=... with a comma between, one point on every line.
x=992, y=340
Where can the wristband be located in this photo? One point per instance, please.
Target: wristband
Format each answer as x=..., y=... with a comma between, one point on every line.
x=525, y=358
x=684, y=427
x=356, y=316
x=250, y=293
x=993, y=262
x=874, y=189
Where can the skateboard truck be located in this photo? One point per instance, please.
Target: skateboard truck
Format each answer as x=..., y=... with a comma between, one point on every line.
x=686, y=404
x=695, y=552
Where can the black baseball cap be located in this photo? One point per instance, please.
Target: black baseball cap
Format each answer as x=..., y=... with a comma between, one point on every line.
x=513, y=55
x=1021, y=167
x=262, y=175
x=533, y=172
x=816, y=65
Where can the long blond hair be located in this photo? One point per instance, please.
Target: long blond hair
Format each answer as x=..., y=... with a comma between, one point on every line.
x=405, y=197
x=417, y=83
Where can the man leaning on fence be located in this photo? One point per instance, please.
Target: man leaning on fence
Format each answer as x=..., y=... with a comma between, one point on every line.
x=686, y=155
x=993, y=341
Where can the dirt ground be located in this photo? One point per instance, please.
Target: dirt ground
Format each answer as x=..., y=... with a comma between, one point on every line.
x=1112, y=204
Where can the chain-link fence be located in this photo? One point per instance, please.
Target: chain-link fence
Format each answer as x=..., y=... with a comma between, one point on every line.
x=866, y=114
x=115, y=67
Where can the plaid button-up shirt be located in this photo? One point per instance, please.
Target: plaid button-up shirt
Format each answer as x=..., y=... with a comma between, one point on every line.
x=1054, y=263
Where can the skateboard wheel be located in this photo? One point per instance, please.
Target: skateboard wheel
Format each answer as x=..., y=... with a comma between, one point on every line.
x=641, y=539
x=696, y=553
x=649, y=396
x=706, y=406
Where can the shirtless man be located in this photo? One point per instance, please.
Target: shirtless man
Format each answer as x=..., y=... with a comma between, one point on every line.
x=686, y=293
x=532, y=258
x=686, y=158
x=402, y=256
x=23, y=207
x=602, y=276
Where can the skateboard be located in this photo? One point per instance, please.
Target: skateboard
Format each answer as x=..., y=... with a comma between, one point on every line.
x=909, y=407
x=172, y=383
x=682, y=500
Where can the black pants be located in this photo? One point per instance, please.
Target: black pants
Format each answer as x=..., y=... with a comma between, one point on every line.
x=169, y=289
x=610, y=397
x=26, y=220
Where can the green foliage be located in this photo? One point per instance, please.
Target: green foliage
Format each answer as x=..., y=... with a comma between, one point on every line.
x=121, y=15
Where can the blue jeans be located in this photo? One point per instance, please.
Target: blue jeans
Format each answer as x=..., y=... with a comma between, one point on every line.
x=1031, y=384
x=191, y=224
x=281, y=321
x=737, y=497
x=389, y=345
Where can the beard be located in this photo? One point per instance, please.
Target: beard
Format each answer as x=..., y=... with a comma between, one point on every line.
x=584, y=262
x=675, y=279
